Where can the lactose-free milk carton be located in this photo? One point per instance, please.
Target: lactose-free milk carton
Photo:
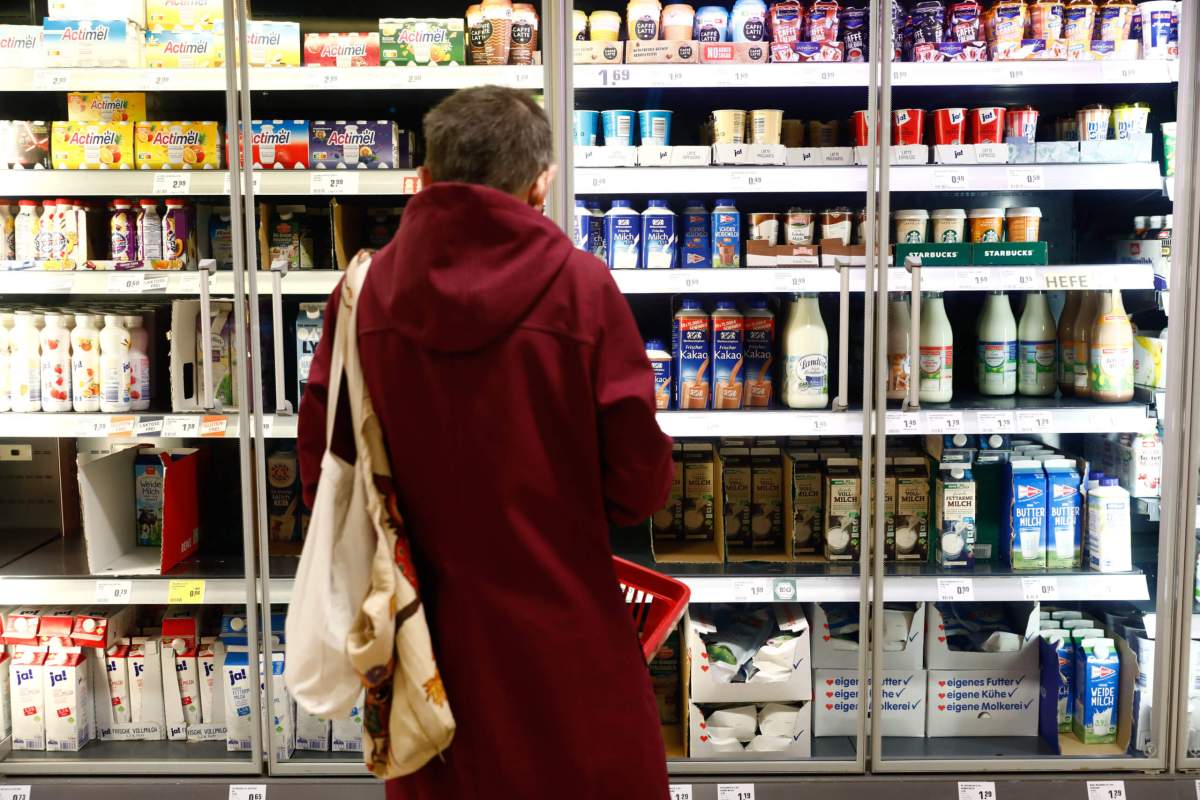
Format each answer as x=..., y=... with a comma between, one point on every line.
x=240, y=694
x=27, y=689
x=310, y=324
x=68, y=695
x=1023, y=527
x=911, y=539
x=1097, y=689
x=312, y=732
x=955, y=513
x=347, y=731
x=1065, y=500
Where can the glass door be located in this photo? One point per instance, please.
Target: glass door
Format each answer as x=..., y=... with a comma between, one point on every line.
x=129, y=632
x=722, y=171
x=1027, y=228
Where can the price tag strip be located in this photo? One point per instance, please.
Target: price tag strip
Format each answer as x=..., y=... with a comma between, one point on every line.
x=113, y=592
x=751, y=591
x=976, y=790
x=1026, y=179
x=902, y=422
x=950, y=180
x=172, y=183
x=1035, y=421
x=996, y=421
x=945, y=422
x=334, y=183
x=955, y=589
x=248, y=791
x=1045, y=588
x=735, y=791
x=679, y=791
x=1106, y=790
x=12, y=792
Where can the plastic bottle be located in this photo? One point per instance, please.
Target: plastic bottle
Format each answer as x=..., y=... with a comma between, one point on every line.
x=622, y=234
x=996, y=358
x=123, y=231
x=1140, y=226
x=805, y=355
x=690, y=337
x=937, y=351
x=150, y=231
x=46, y=230
x=25, y=231
x=56, y=364
x=5, y=398
x=1111, y=361
x=69, y=234
x=899, y=347
x=7, y=232
x=177, y=231
x=1083, y=345
x=728, y=355
x=760, y=354
x=1109, y=532
x=114, y=365
x=658, y=236
x=140, y=392
x=25, y=351
x=1037, y=349
x=583, y=221
x=1066, y=344
x=85, y=364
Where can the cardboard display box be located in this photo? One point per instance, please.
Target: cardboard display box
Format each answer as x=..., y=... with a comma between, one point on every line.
x=704, y=688
x=734, y=52
x=599, y=52
x=605, y=156
x=760, y=253
x=825, y=656
x=965, y=702
x=674, y=156
x=700, y=746
x=820, y=156
x=756, y=155
x=696, y=551
x=939, y=656
x=660, y=52
x=835, y=706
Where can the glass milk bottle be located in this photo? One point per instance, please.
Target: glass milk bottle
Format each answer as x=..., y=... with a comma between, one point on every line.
x=1037, y=373
x=805, y=355
x=899, y=362
x=114, y=365
x=85, y=363
x=1088, y=307
x=56, y=364
x=937, y=351
x=996, y=359
x=25, y=369
x=1111, y=361
x=139, y=363
x=5, y=398
x=1066, y=344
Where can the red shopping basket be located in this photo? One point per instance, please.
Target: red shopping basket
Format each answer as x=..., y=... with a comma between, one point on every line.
x=655, y=601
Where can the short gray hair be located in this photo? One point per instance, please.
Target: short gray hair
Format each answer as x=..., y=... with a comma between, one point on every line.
x=488, y=135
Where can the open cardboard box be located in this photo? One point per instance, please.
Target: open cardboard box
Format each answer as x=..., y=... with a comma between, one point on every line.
x=825, y=656
x=760, y=253
x=756, y=155
x=152, y=725
x=835, y=252
x=599, y=52
x=939, y=656
x=106, y=487
x=837, y=695
x=696, y=551
x=734, y=52
x=1066, y=743
x=674, y=156
x=703, y=686
x=999, y=702
x=699, y=745
x=186, y=369
x=738, y=552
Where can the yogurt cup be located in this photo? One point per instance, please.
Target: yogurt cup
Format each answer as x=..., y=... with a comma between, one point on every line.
x=712, y=24
x=766, y=126
x=618, y=128
x=987, y=225
x=910, y=225
x=584, y=128
x=949, y=225
x=654, y=128
x=950, y=126
x=678, y=22
x=987, y=125
x=729, y=126
x=1023, y=223
x=605, y=26
x=1046, y=19
x=908, y=126
x=643, y=17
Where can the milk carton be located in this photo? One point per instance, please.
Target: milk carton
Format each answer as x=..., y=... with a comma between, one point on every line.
x=955, y=514
x=726, y=235
x=146, y=683
x=1097, y=688
x=27, y=689
x=1108, y=525
x=1023, y=528
x=808, y=515
x=736, y=479
x=312, y=732
x=1062, y=642
x=667, y=523
x=69, y=701
x=240, y=694
x=183, y=702
x=911, y=539
x=116, y=663
x=310, y=323
x=843, y=487
x=209, y=660
x=5, y=697
x=1066, y=506
x=283, y=710
x=698, y=491
x=347, y=731
x=766, y=516
x=889, y=506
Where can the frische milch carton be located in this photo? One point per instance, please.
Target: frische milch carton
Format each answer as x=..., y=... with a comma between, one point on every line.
x=1097, y=690
x=68, y=698
x=1063, y=522
x=27, y=690
x=240, y=693
x=1023, y=528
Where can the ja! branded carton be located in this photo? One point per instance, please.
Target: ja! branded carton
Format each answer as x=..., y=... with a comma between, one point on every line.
x=27, y=689
x=68, y=695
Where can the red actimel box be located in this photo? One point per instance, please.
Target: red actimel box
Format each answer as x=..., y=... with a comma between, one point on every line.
x=341, y=49
x=278, y=144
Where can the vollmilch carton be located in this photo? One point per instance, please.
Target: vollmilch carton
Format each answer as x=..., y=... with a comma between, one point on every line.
x=1063, y=528
x=116, y=663
x=1023, y=528
x=698, y=491
x=955, y=514
x=1097, y=690
x=736, y=476
x=68, y=696
x=209, y=660
x=766, y=514
x=911, y=520
x=808, y=514
x=27, y=689
x=843, y=512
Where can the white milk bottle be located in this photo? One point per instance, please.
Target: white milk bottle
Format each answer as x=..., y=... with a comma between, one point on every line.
x=85, y=364
x=805, y=355
x=150, y=231
x=25, y=350
x=25, y=231
x=937, y=351
x=114, y=365
x=5, y=398
x=899, y=362
x=996, y=355
x=1088, y=308
x=1038, y=348
x=56, y=364
x=7, y=232
x=1066, y=344
x=139, y=364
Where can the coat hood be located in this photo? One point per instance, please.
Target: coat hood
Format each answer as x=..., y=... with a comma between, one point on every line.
x=467, y=264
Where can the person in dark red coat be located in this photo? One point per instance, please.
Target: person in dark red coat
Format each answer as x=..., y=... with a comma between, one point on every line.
x=517, y=404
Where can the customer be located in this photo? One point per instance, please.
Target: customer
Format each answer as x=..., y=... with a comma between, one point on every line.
x=517, y=406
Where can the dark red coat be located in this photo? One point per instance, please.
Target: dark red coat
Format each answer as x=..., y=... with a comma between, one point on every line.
x=518, y=407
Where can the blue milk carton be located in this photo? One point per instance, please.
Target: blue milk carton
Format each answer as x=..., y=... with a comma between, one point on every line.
x=1063, y=538
x=1097, y=689
x=1023, y=527
x=658, y=236
x=596, y=244
x=622, y=236
x=1062, y=642
x=697, y=242
x=726, y=235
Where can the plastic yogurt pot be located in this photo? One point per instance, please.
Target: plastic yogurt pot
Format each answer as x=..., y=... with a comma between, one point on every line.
x=910, y=225
x=585, y=127
x=1023, y=223
x=987, y=225
x=949, y=225
x=618, y=128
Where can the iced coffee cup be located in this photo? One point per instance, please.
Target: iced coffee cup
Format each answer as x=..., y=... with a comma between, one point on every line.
x=910, y=225
x=987, y=225
x=605, y=26
x=949, y=225
x=1023, y=223
x=678, y=21
x=766, y=126
x=729, y=126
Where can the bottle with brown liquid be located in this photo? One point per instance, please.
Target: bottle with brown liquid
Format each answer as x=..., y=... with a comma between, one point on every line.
x=1111, y=362
x=1066, y=344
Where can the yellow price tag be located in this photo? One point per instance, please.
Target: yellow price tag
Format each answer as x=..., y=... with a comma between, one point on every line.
x=185, y=592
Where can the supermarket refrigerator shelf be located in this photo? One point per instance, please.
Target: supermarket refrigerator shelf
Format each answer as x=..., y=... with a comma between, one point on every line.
x=1035, y=73
x=1021, y=415
x=985, y=583
x=1049, y=278
x=206, y=183
x=133, y=758
x=130, y=425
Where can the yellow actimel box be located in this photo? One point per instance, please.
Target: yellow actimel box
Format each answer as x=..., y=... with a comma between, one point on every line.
x=200, y=15
x=106, y=106
x=91, y=145
x=178, y=145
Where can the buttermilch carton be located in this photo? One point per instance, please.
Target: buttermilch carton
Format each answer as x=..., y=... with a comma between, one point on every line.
x=27, y=689
x=766, y=515
x=1023, y=527
x=667, y=523
x=68, y=694
x=1063, y=529
x=1097, y=690
x=698, y=491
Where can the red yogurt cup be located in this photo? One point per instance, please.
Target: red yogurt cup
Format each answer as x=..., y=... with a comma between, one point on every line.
x=860, y=121
x=908, y=126
x=950, y=126
x=987, y=125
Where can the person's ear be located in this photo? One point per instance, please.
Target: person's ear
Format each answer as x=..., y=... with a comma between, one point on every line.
x=540, y=189
x=424, y=176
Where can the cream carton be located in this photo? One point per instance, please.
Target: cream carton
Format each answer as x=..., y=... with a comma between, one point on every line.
x=20, y=46
x=698, y=491
x=27, y=689
x=240, y=694
x=1023, y=527
x=347, y=731
x=92, y=42
x=1063, y=529
x=1097, y=689
x=736, y=476
x=116, y=664
x=69, y=724
x=843, y=487
x=766, y=515
x=808, y=514
x=911, y=539
x=955, y=513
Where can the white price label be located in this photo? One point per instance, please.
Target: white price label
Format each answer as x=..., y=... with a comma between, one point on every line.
x=614, y=77
x=902, y=422
x=1018, y=278
x=268, y=425
x=15, y=792
x=1039, y=588
x=976, y=790
x=333, y=183
x=325, y=78
x=1026, y=179
x=950, y=180
x=255, y=182
x=751, y=591
x=820, y=424
x=1101, y=421
x=91, y=426
x=972, y=279
x=155, y=283
x=899, y=75
x=997, y=421
x=157, y=80
x=1106, y=790
x=793, y=279
x=950, y=589
x=1035, y=421
x=172, y=183
x=945, y=422
x=680, y=791
x=1011, y=74
x=1120, y=72
x=113, y=592
x=50, y=79
x=125, y=283
x=735, y=791
x=746, y=180
x=597, y=182
x=248, y=791
x=682, y=281
x=181, y=427
x=189, y=283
